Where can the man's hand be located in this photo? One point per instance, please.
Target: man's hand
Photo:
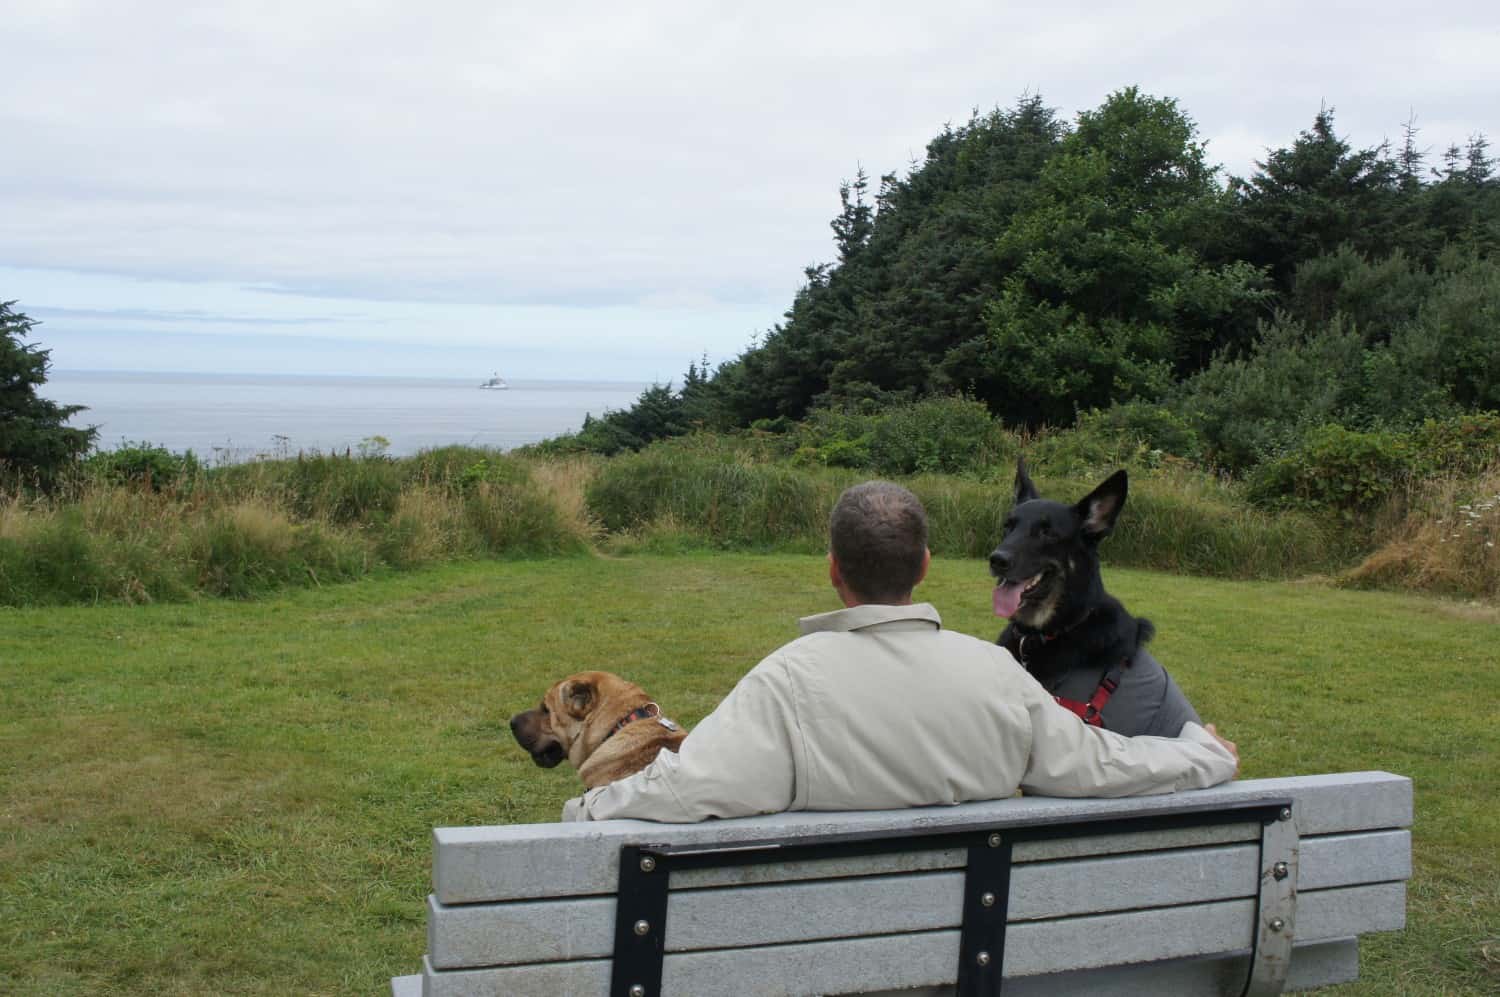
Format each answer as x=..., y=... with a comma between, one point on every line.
x=1228, y=746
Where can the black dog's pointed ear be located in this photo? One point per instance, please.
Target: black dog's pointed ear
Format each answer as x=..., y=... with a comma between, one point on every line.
x=579, y=698
x=1099, y=509
x=1025, y=490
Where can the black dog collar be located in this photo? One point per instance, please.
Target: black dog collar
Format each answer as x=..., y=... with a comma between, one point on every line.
x=1035, y=637
x=646, y=712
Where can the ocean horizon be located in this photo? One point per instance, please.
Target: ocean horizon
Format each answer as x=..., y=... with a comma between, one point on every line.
x=228, y=417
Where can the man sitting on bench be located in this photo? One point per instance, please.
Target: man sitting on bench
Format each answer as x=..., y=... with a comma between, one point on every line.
x=877, y=707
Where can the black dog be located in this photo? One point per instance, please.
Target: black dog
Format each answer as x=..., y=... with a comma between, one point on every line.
x=1074, y=638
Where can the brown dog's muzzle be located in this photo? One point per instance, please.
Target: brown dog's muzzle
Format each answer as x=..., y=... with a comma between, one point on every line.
x=544, y=749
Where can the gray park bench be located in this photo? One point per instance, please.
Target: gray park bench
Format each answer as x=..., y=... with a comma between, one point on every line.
x=1253, y=887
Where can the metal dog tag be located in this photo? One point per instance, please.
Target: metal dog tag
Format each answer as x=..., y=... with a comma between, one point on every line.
x=669, y=725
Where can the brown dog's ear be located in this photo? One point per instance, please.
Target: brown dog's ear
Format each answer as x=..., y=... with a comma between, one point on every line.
x=578, y=698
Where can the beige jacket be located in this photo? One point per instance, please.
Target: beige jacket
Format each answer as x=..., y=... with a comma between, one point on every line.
x=878, y=707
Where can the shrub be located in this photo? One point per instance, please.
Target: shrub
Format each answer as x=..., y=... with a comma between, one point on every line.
x=53, y=562
x=939, y=435
x=1464, y=445
x=1336, y=470
x=145, y=464
x=1150, y=428
x=833, y=438
x=1102, y=440
x=517, y=519
x=728, y=503
x=1261, y=406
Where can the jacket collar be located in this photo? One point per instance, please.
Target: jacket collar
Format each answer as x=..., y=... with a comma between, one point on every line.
x=872, y=615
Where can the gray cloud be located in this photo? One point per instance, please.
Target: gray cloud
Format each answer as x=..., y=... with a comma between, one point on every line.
x=599, y=155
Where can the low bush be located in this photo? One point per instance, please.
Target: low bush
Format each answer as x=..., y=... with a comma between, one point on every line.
x=1335, y=470
x=145, y=464
x=938, y=436
x=833, y=438
x=1357, y=475
x=727, y=503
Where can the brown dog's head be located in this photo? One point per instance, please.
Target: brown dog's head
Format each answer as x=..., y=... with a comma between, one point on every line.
x=574, y=717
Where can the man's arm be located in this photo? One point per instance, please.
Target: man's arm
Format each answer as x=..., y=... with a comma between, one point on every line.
x=738, y=761
x=1070, y=758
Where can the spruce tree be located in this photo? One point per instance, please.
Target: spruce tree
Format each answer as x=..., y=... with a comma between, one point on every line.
x=33, y=438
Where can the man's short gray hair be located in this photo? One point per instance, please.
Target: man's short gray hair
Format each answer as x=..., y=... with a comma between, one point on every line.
x=878, y=536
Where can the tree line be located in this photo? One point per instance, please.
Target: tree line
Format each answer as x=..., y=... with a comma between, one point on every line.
x=1048, y=269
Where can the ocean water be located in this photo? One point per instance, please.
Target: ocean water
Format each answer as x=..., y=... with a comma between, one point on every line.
x=231, y=417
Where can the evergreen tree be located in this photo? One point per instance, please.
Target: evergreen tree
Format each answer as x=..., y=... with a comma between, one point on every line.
x=911, y=281
x=1313, y=197
x=33, y=437
x=1106, y=299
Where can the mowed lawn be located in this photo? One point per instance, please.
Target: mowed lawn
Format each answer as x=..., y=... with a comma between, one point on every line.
x=236, y=797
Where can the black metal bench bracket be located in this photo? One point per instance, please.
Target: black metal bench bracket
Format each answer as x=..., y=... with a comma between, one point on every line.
x=645, y=879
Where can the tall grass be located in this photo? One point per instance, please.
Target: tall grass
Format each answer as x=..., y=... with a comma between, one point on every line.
x=1446, y=539
x=1175, y=522
x=242, y=530
x=724, y=502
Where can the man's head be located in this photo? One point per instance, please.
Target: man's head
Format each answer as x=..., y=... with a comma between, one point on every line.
x=877, y=546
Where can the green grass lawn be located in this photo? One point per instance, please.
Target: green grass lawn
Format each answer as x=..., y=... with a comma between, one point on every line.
x=236, y=797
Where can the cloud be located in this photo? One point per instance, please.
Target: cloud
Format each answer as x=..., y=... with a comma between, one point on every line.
x=604, y=156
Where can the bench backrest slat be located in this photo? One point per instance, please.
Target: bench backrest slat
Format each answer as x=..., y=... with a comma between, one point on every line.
x=582, y=928
x=549, y=860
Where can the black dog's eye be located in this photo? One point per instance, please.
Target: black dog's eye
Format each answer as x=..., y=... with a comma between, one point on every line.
x=1009, y=524
x=1042, y=530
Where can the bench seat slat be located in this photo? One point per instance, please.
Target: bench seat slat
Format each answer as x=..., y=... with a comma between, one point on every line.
x=926, y=959
x=515, y=862
x=534, y=931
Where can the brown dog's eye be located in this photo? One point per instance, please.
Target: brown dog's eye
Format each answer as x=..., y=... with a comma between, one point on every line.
x=546, y=712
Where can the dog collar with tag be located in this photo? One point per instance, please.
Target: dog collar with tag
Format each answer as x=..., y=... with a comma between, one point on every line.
x=649, y=711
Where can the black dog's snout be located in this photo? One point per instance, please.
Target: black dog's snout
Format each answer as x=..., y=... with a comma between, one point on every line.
x=515, y=723
x=1000, y=563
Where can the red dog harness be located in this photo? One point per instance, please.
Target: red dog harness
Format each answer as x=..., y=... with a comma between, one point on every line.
x=1092, y=712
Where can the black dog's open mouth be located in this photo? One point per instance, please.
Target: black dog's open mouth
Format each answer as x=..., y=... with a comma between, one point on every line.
x=1010, y=594
x=550, y=756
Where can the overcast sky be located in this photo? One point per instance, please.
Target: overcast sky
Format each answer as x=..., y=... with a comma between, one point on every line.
x=591, y=190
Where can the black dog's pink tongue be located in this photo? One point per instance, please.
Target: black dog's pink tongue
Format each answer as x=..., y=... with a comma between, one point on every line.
x=1007, y=599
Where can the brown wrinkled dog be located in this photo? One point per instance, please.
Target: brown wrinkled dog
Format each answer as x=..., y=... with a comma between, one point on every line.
x=607, y=727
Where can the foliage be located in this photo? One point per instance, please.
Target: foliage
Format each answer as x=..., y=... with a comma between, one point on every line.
x=1310, y=198
x=834, y=437
x=1447, y=541
x=244, y=530
x=937, y=435
x=911, y=285
x=1048, y=271
x=1335, y=470
x=1429, y=347
x=1255, y=407
x=726, y=503
x=1106, y=297
x=146, y=464
x=34, y=438
x=1354, y=474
